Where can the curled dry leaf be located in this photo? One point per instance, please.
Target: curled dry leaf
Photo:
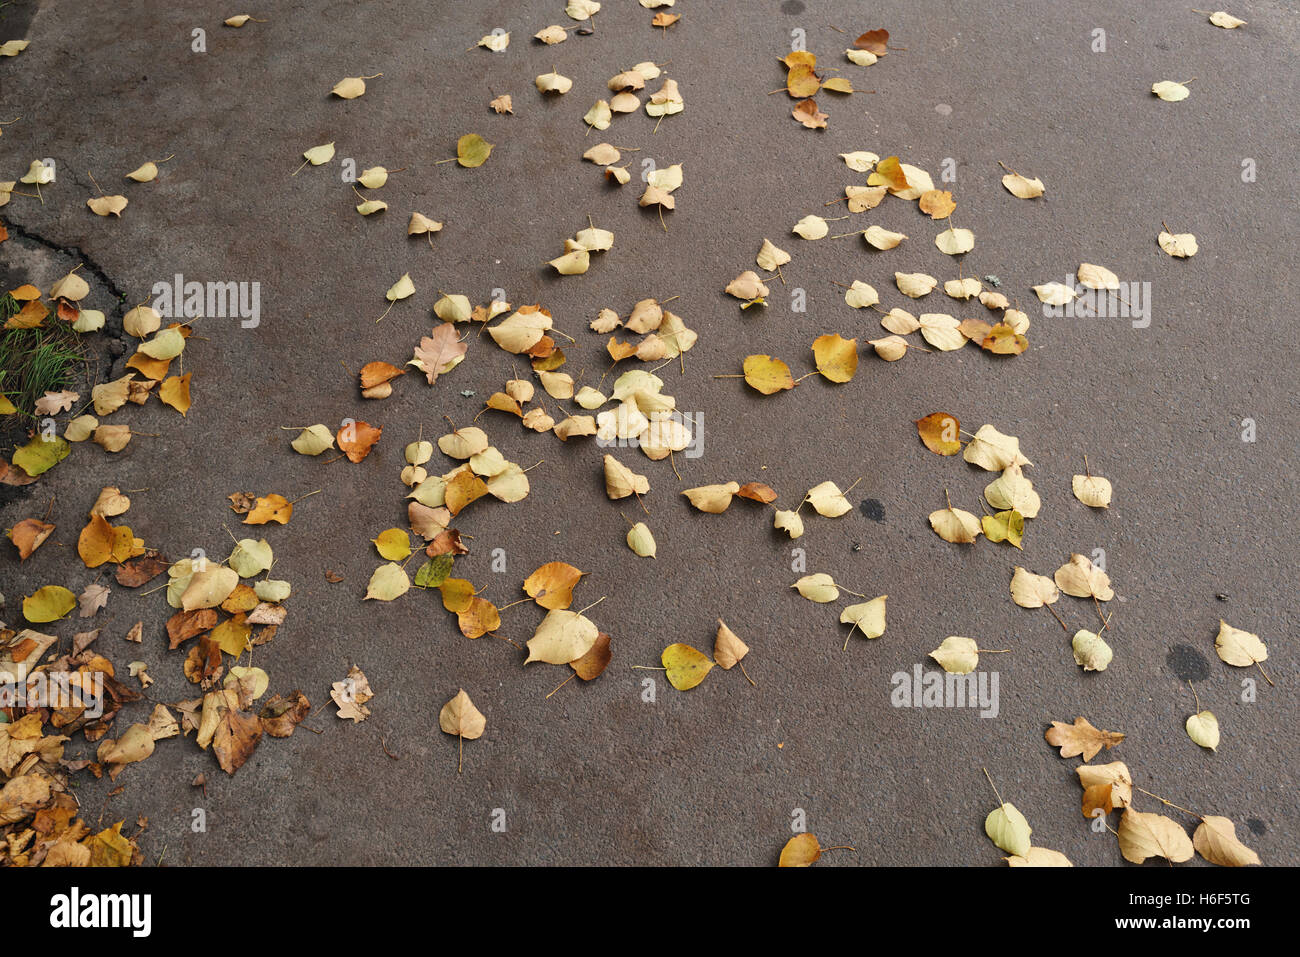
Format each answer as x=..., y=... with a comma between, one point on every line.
x=1008, y=829
x=1178, y=245
x=728, y=649
x=713, y=499
x=1091, y=653
x=1022, y=187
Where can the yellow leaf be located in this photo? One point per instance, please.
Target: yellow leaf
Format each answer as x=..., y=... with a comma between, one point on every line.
x=48, y=604
x=837, y=357
x=685, y=666
x=393, y=544
x=767, y=374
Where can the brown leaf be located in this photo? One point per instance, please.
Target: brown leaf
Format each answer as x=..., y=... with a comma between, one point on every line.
x=377, y=373
x=281, y=715
x=145, y=568
x=940, y=432
x=184, y=625
x=595, y=661
x=237, y=735
x=28, y=535
x=757, y=492
x=1080, y=738
x=873, y=41
x=446, y=543
x=356, y=439
x=806, y=112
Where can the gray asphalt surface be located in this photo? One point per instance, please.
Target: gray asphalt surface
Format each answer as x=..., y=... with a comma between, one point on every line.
x=594, y=774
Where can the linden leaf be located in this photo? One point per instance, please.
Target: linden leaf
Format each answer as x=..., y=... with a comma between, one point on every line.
x=819, y=587
x=49, y=603
x=955, y=525
x=767, y=375
x=728, y=649
x=641, y=540
x=1092, y=490
x=1144, y=835
x=562, y=637
x=1008, y=829
x=889, y=173
x=1203, y=728
x=459, y=717
x=686, y=667
x=867, y=617
x=1238, y=648
x=1008, y=526
x=472, y=150
x=1032, y=591
x=388, y=582
x=836, y=357
x=937, y=204
x=313, y=440
x=713, y=499
x=1080, y=578
x=957, y=655
x=914, y=285
x=940, y=432
x=802, y=850
x=827, y=499
x=991, y=450
x=954, y=241
x=1091, y=653
x=551, y=585
x=393, y=544
x=1216, y=841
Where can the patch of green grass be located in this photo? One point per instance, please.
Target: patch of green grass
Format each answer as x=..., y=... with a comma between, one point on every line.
x=36, y=361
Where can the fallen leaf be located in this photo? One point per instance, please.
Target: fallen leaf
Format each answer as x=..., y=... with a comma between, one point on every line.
x=686, y=667
x=1144, y=835
x=1215, y=839
x=1081, y=738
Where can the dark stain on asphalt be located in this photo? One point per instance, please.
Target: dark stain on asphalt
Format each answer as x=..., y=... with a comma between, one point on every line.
x=1257, y=827
x=873, y=508
x=792, y=7
x=1187, y=663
